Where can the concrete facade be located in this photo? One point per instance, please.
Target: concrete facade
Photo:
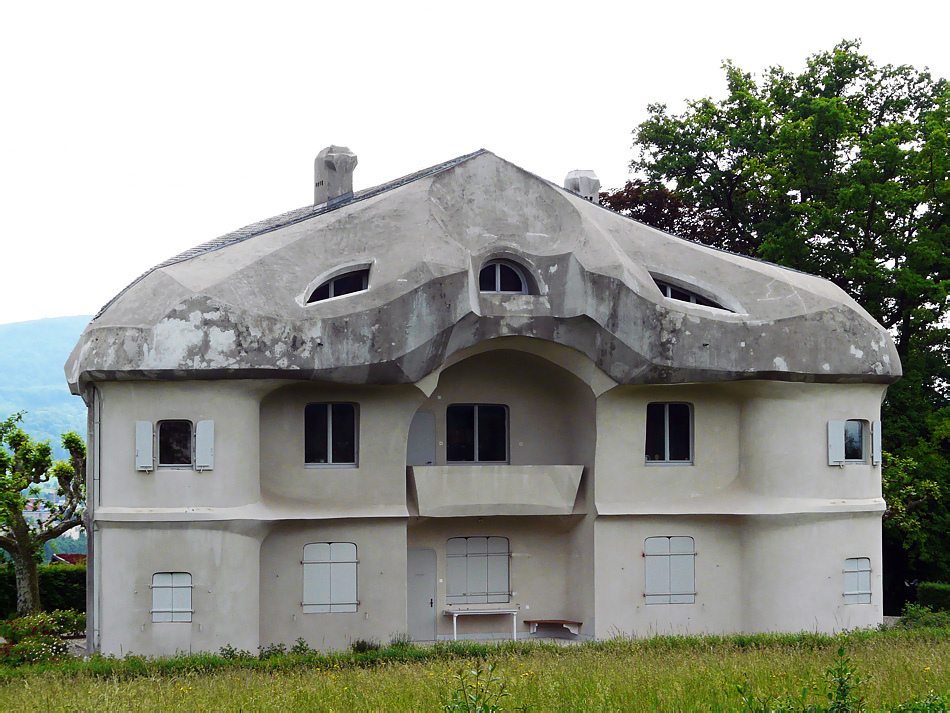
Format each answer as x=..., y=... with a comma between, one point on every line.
x=619, y=337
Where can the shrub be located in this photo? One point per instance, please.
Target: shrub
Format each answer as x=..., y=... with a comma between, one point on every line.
x=62, y=586
x=362, y=646
x=33, y=649
x=16, y=630
x=918, y=616
x=400, y=640
x=230, y=653
x=270, y=651
x=301, y=647
x=935, y=595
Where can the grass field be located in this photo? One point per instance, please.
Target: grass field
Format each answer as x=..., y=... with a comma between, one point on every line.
x=657, y=674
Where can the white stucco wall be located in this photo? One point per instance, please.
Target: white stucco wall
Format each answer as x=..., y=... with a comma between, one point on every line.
x=234, y=408
x=381, y=583
x=223, y=560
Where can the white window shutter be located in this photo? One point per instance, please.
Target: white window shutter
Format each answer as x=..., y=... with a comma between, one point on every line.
x=835, y=442
x=876, y=448
x=204, y=445
x=144, y=439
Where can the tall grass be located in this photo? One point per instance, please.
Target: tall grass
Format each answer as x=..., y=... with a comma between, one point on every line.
x=659, y=673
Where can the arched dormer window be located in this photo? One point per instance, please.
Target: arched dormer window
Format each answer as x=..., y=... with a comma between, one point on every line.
x=503, y=276
x=674, y=292
x=347, y=283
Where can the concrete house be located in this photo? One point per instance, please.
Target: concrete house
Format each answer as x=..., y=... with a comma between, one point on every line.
x=471, y=403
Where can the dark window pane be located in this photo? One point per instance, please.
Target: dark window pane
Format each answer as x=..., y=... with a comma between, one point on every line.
x=679, y=294
x=350, y=282
x=853, y=440
x=510, y=280
x=174, y=443
x=460, y=433
x=706, y=303
x=492, y=433
x=486, y=278
x=679, y=431
x=315, y=433
x=321, y=293
x=656, y=432
x=343, y=425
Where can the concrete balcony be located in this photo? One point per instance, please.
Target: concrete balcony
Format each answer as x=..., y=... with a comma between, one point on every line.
x=484, y=489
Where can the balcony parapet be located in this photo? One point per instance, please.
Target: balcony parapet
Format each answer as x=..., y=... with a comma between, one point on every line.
x=485, y=490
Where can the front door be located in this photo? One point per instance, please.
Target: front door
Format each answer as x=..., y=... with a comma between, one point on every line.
x=421, y=594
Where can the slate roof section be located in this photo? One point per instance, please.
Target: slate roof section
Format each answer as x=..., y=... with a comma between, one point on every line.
x=290, y=218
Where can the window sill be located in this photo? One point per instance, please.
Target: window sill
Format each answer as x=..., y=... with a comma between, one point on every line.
x=321, y=466
x=654, y=463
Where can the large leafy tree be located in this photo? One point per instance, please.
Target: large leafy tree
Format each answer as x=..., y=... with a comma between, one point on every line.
x=841, y=170
x=28, y=519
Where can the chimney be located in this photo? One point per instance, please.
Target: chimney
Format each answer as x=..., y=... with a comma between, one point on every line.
x=583, y=183
x=333, y=175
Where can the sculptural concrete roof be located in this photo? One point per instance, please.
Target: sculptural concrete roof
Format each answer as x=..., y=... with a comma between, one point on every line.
x=237, y=306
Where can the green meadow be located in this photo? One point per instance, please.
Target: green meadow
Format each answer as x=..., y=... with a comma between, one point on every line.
x=869, y=670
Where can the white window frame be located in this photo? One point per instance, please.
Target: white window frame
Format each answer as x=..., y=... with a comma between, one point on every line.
x=330, y=283
x=178, y=586
x=324, y=564
x=870, y=442
x=857, y=580
x=669, y=571
x=356, y=436
x=666, y=435
x=507, y=458
x=481, y=567
x=518, y=270
x=666, y=288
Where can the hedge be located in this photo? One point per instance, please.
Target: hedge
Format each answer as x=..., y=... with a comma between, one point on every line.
x=62, y=586
x=935, y=595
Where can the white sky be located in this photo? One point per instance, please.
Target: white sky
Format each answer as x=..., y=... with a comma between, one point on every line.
x=132, y=130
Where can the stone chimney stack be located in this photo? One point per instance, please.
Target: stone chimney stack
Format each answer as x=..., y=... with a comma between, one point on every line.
x=333, y=175
x=585, y=184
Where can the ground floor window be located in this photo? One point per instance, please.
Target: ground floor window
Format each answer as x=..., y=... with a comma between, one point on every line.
x=171, y=597
x=857, y=580
x=477, y=570
x=329, y=577
x=670, y=572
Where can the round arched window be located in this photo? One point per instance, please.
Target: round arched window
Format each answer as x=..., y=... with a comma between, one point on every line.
x=502, y=276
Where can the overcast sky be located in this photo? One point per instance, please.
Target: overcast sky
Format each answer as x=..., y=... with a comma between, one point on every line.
x=131, y=130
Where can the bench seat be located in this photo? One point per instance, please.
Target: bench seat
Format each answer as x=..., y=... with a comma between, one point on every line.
x=572, y=626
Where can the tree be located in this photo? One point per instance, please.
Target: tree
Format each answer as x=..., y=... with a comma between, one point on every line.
x=842, y=171
x=24, y=466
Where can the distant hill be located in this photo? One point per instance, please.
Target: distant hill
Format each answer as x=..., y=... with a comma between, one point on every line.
x=32, y=355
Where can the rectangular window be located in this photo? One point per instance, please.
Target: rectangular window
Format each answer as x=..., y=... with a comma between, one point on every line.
x=476, y=570
x=669, y=433
x=329, y=578
x=857, y=580
x=171, y=597
x=476, y=433
x=849, y=442
x=854, y=441
x=669, y=575
x=330, y=434
x=175, y=443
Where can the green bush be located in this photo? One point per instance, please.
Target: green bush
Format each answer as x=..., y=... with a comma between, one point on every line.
x=62, y=586
x=935, y=595
x=33, y=649
x=918, y=616
x=57, y=623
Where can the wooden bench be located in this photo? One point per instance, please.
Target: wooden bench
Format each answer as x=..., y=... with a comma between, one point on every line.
x=572, y=626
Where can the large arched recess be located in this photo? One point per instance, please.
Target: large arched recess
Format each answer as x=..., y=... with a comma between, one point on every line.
x=549, y=391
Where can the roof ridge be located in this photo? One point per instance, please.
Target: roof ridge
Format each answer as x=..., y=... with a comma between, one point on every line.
x=290, y=217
